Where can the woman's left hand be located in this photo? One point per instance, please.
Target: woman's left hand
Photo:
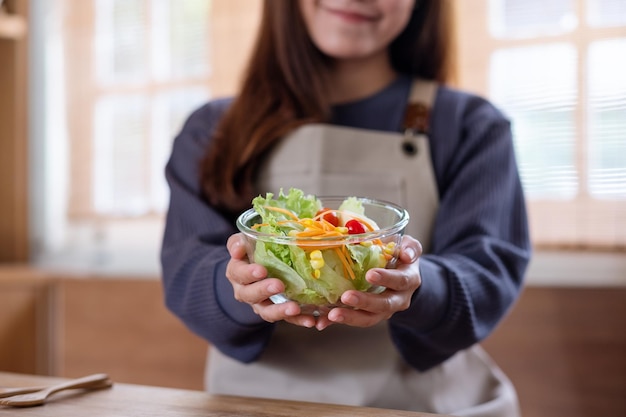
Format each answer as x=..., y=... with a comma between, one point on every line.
x=371, y=309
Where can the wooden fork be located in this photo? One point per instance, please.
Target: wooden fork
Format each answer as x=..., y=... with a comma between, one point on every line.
x=95, y=381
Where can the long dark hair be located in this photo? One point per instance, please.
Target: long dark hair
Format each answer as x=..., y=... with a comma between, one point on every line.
x=285, y=87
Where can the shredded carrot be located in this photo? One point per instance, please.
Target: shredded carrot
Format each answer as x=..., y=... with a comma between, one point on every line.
x=326, y=224
x=333, y=233
x=321, y=215
x=311, y=233
x=346, y=266
x=284, y=211
x=316, y=245
x=311, y=223
x=365, y=223
x=348, y=257
x=256, y=226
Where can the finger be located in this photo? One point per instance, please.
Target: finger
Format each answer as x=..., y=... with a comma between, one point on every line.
x=401, y=279
x=243, y=273
x=304, y=320
x=384, y=304
x=276, y=312
x=236, y=246
x=323, y=322
x=258, y=292
x=410, y=250
x=355, y=318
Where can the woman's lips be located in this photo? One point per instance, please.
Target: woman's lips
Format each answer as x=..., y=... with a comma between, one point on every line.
x=351, y=16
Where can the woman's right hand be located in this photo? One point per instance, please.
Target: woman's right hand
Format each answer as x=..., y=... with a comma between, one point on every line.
x=252, y=286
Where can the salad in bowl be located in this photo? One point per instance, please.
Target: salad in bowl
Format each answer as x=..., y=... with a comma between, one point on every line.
x=320, y=247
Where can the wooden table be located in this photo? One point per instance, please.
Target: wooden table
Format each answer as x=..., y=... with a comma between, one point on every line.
x=139, y=400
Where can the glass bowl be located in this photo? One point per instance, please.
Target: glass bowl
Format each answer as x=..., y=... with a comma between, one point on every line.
x=317, y=270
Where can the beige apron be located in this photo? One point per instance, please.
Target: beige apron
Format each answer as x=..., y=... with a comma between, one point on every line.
x=347, y=365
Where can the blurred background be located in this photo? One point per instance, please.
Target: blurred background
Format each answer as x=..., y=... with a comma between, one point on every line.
x=93, y=92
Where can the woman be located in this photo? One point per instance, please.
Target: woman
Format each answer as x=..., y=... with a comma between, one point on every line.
x=340, y=98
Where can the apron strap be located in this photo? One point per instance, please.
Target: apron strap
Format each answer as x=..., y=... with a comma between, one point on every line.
x=421, y=100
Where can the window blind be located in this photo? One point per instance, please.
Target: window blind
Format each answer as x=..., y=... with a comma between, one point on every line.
x=152, y=67
x=121, y=76
x=556, y=70
x=607, y=119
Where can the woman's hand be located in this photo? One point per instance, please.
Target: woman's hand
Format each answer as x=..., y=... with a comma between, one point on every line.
x=371, y=309
x=251, y=286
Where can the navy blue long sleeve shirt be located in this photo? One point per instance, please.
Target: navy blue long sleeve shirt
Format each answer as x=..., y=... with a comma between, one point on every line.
x=470, y=278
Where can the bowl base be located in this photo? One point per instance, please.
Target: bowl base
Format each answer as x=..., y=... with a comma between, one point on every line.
x=319, y=310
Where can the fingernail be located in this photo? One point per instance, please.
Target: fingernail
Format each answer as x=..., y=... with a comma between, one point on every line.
x=338, y=318
x=374, y=277
x=273, y=288
x=350, y=299
x=411, y=252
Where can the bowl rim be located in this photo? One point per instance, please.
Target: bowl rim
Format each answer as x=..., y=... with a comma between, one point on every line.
x=244, y=218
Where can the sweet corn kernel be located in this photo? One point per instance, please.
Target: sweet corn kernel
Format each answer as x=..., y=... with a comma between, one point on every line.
x=317, y=264
x=317, y=260
x=310, y=223
x=390, y=248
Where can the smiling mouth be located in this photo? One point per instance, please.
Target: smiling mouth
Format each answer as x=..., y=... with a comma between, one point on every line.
x=352, y=17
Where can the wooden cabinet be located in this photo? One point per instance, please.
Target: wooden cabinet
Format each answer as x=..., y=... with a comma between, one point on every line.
x=120, y=326
x=73, y=326
x=25, y=320
x=14, y=139
x=564, y=348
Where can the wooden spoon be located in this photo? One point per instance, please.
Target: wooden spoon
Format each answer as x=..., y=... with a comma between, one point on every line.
x=9, y=392
x=95, y=381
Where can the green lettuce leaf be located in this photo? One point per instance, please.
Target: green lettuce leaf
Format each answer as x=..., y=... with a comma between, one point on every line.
x=277, y=267
x=352, y=204
x=303, y=206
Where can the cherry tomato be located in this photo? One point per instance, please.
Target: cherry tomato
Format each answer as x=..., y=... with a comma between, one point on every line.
x=329, y=215
x=355, y=227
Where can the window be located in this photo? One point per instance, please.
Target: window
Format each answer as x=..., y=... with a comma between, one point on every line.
x=120, y=77
x=149, y=67
x=557, y=70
